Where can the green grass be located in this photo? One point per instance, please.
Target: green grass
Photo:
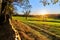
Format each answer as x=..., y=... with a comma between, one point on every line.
x=52, y=25
x=38, y=21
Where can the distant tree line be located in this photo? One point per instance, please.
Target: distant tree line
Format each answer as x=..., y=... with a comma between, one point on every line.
x=55, y=16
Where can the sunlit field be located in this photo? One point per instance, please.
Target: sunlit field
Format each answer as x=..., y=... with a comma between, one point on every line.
x=52, y=25
x=29, y=19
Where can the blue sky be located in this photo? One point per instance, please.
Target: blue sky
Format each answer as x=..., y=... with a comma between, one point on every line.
x=37, y=7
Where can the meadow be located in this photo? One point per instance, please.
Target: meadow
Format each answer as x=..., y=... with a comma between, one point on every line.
x=50, y=24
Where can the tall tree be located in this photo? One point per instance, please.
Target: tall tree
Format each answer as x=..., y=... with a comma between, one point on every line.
x=5, y=9
x=26, y=8
x=6, y=31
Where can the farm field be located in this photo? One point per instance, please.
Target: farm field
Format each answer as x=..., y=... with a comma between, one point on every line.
x=50, y=28
x=52, y=25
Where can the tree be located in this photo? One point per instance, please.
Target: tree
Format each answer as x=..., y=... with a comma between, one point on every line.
x=6, y=31
x=46, y=2
x=5, y=9
x=26, y=13
x=26, y=8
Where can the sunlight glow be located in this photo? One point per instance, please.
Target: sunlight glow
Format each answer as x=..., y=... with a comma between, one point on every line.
x=43, y=12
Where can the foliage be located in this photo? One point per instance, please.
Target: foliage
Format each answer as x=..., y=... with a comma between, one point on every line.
x=46, y=2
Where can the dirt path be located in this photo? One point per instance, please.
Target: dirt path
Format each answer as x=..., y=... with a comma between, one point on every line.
x=26, y=32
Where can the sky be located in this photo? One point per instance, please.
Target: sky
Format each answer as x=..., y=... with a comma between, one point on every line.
x=38, y=8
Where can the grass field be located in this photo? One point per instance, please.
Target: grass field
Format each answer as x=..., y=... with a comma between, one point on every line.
x=52, y=25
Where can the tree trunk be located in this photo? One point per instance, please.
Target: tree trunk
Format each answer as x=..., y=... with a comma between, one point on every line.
x=6, y=31
x=26, y=17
